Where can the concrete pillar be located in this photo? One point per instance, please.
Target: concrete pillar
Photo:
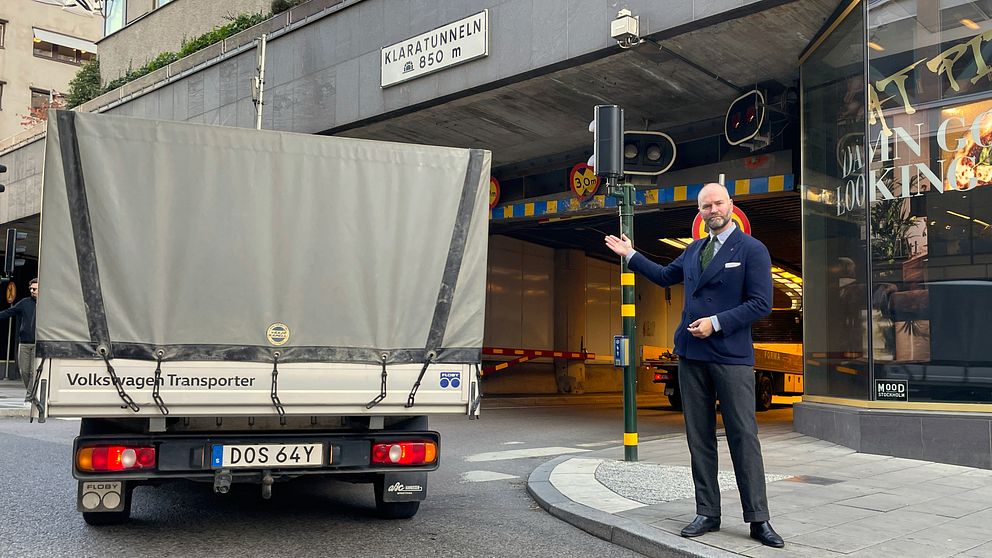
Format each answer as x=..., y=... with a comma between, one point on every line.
x=570, y=318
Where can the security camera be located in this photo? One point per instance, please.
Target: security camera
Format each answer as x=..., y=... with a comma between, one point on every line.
x=624, y=29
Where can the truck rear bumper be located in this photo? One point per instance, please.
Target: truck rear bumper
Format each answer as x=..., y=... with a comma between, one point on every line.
x=202, y=457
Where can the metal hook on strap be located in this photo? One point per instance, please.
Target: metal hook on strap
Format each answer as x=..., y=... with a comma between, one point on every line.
x=431, y=356
x=382, y=386
x=156, y=396
x=275, y=389
x=33, y=390
x=128, y=402
x=476, y=398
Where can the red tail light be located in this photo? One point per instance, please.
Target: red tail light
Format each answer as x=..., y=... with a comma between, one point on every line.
x=98, y=459
x=657, y=376
x=404, y=453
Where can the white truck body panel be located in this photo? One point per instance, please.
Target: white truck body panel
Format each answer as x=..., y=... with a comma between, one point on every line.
x=84, y=388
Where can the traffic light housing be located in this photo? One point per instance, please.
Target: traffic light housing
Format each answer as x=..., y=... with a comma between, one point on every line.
x=14, y=249
x=745, y=118
x=647, y=153
x=3, y=169
x=607, y=129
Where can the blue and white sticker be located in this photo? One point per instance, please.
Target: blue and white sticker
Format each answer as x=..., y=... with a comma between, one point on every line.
x=451, y=380
x=217, y=456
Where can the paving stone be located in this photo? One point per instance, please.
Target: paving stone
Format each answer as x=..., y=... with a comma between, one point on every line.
x=902, y=549
x=981, y=551
x=950, y=506
x=792, y=550
x=845, y=538
x=830, y=515
x=884, y=501
x=955, y=539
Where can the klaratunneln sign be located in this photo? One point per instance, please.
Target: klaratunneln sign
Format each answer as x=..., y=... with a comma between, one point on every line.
x=446, y=46
x=966, y=165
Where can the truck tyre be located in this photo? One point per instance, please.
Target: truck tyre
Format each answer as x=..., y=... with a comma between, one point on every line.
x=763, y=392
x=393, y=510
x=100, y=519
x=675, y=399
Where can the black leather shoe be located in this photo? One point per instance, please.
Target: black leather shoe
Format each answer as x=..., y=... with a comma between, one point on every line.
x=701, y=525
x=762, y=531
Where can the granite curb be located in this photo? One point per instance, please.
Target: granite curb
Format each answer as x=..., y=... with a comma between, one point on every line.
x=628, y=533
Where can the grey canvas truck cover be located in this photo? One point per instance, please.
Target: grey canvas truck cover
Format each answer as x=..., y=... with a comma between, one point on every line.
x=205, y=270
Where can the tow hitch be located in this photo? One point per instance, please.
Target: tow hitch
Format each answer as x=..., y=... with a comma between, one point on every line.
x=222, y=481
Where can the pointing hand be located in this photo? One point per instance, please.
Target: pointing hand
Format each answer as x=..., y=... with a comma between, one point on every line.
x=620, y=246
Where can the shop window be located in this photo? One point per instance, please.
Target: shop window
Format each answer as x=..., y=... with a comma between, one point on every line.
x=931, y=217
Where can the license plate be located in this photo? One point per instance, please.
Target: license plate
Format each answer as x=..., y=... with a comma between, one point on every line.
x=262, y=456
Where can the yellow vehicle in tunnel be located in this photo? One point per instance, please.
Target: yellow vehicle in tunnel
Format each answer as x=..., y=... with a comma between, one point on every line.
x=778, y=371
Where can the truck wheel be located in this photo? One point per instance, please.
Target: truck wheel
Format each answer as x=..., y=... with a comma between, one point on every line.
x=393, y=510
x=675, y=399
x=763, y=393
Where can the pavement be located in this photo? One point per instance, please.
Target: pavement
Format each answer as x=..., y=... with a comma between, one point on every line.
x=825, y=500
x=12, y=398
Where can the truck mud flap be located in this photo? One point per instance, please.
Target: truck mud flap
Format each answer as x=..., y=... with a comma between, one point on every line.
x=404, y=487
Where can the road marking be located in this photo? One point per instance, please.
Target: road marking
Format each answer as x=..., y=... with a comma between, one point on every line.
x=484, y=476
x=600, y=444
x=512, y=443
x=522, y=453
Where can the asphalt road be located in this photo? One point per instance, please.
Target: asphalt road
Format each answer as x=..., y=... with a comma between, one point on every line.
x=477, y=505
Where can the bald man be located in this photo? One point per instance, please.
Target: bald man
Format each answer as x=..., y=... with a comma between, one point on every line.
x=728, y=285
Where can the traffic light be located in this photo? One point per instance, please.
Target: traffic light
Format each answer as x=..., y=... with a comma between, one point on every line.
x=607, y=129
x=745, y=117
x=14, y=248
x=647, y=153
x=3, y=169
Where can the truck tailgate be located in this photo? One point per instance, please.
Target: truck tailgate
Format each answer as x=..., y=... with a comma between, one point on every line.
x=85, y=388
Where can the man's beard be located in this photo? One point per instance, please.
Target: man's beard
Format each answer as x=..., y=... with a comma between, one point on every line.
x=717, y=222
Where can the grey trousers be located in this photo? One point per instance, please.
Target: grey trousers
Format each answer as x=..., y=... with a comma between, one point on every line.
x=25, y=363
x=702, y=383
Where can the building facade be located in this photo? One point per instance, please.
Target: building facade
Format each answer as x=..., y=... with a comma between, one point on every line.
x=136, y=31
x=42, y=45
x=897, y=236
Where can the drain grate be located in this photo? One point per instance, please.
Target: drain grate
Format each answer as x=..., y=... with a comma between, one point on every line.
x=810, y=479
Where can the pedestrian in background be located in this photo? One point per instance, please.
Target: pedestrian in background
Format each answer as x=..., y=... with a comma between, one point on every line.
x=728, y=285
x=24, y=312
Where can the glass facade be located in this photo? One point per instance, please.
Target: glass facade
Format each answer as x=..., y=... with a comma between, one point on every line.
x=835, y=262
x=905, y=204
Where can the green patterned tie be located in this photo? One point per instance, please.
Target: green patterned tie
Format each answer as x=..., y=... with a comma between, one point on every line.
x=707, y=255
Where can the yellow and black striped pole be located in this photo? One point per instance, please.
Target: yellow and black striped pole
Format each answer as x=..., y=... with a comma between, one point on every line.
x=627, y=314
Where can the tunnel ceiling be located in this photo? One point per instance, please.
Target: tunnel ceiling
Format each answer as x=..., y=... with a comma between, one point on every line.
x=545, y=119
x=549, y=114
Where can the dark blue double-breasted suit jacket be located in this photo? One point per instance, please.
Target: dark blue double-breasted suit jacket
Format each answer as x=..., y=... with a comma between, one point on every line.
x=736, y=287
